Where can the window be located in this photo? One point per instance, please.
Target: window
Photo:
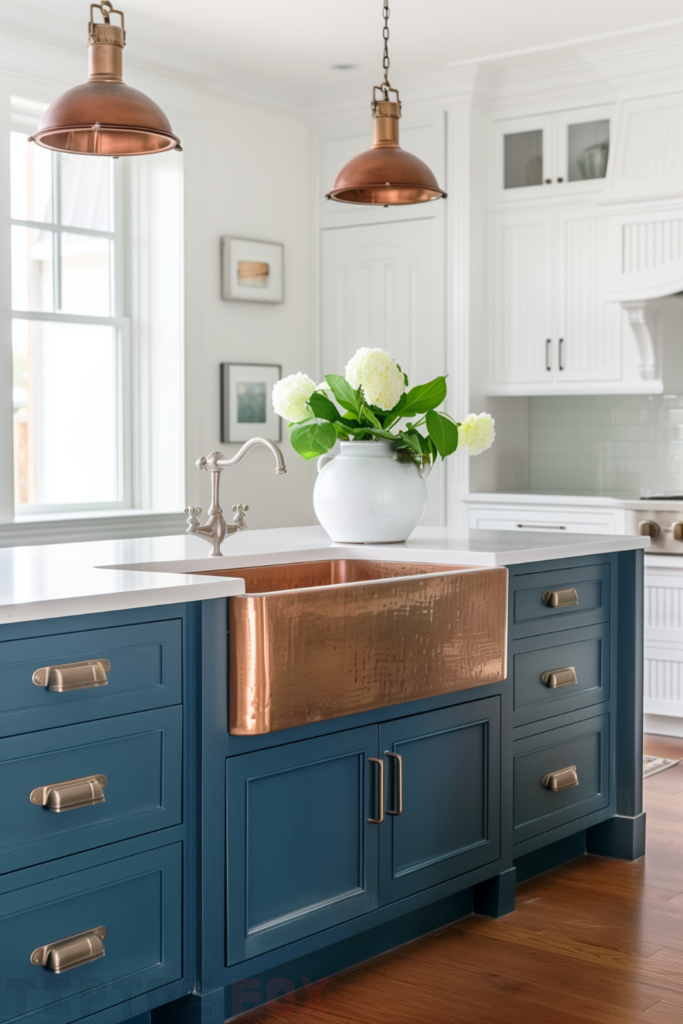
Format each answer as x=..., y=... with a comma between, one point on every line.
x=70, y=337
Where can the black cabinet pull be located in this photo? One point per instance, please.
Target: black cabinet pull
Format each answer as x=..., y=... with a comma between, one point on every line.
x=547, y=354
x=560, y=362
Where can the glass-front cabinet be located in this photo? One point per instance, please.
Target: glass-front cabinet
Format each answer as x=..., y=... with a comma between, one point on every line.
x=552, y=154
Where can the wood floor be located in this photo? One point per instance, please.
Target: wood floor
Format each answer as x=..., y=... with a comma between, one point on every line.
x=594, y=941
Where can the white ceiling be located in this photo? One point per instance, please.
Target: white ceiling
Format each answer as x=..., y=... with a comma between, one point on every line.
x=292, y=44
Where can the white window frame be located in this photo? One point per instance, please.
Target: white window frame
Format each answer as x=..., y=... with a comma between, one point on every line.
x=118, y=320
x=151, y=321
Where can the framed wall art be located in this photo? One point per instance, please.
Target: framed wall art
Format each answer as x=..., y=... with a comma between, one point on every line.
x=252, y=271
x=246, y=407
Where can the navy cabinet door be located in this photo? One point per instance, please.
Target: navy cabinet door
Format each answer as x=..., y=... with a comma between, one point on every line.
x=450, y=820
x=301, y=853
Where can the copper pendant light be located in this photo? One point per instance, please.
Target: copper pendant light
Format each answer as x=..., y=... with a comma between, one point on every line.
x=105, y=117
x=385, y=175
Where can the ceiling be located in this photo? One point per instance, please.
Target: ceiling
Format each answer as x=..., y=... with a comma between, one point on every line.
x=292, y=44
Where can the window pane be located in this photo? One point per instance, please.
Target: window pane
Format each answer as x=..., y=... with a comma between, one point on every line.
x=86, y=275
x=523, y=159
x=86, y=191
x=32, y=277
x=66, y=420
x=587, y=150
x=31, y=179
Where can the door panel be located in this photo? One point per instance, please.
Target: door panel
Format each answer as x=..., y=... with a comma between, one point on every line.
x=383, y=287
x=299, y=811
x=590, y=327
x=523, y=347
x=450, y=823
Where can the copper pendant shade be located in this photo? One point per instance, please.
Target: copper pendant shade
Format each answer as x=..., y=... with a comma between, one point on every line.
x=105, y=117
x=385, y=175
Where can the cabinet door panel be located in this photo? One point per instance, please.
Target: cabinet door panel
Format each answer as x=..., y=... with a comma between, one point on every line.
x=382, y=285
x=451, y=796
x=521, y=300
x=589, y=326
x=524, y=158
x=301, y=854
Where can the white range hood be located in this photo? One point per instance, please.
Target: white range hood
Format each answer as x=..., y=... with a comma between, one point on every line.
x=644, y=195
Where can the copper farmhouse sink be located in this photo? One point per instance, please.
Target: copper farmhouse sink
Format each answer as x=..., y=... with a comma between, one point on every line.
x=315, y=640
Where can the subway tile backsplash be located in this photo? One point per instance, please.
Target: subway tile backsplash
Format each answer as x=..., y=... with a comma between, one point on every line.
x=618, y=445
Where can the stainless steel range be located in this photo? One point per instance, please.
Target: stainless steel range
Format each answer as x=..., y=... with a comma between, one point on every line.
x=663, y=525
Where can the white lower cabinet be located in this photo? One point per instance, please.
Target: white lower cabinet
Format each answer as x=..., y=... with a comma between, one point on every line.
x=534, y=518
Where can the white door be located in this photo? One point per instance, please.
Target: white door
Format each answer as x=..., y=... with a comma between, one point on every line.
x=520, y=304
x=382, y=286
x=589, y=329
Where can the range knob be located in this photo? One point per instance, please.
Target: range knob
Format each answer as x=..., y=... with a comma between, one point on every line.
x=677, y=530
x=647, y=528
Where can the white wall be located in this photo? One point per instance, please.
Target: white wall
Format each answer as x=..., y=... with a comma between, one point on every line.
x=246, y=174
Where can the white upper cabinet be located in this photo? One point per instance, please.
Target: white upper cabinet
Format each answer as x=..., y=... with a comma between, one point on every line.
x=552, y=329
x=521, y=303
x=551, y=155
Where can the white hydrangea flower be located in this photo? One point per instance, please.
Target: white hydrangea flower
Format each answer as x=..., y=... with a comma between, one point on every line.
x=477, y=433
x=373, y=370
x=290, y=396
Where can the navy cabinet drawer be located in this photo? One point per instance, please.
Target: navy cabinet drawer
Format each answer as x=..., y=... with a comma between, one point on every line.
x=530, y=614
x=584, y=745
x=586, y=650
x=146, y=672
x=141, y=758
x=137, y=899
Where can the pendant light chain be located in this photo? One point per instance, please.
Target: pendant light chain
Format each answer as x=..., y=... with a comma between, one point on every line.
x=385, y=59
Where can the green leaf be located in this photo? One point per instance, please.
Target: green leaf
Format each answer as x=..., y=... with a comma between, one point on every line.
x=425, y=397
x=380, y=432
x=322, y=407
x=368, y=414
x=411, y=439
x=344, y=393
x=313, y=439
x=443, y=432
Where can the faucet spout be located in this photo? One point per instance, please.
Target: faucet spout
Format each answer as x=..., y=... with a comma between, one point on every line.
x=216, y=529
x=253, y=443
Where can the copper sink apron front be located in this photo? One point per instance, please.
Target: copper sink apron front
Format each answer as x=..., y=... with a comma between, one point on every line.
x=324, y=647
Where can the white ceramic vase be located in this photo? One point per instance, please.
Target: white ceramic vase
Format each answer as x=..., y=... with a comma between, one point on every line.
x=365, y=495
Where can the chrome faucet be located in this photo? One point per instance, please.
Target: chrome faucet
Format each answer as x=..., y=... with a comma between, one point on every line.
x=216, y=529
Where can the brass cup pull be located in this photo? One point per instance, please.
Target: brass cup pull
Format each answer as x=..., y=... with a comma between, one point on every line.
x=398, y=809
x=557, y=677
x=564, y=779
x=380, y=790
x=76, y=676
x=560, y=598
x=65, y=954
x=67, y=796
x=677, y=530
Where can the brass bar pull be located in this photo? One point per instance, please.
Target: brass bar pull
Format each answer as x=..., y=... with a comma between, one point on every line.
x=65, y=954
x=564, y=779
x=399, y=783
x=76, y=676
x=561, y=598
x=380, y=790
x=557, y=677
x=67, y=796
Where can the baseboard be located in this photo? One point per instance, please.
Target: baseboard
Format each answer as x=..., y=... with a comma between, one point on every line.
x=663, y=725
x=548, y=857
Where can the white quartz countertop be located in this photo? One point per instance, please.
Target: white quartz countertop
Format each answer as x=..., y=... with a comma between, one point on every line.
x=569, y=501
x=54, y=580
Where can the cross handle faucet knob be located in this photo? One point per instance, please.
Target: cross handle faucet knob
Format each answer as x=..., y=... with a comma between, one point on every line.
x=238, y=518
